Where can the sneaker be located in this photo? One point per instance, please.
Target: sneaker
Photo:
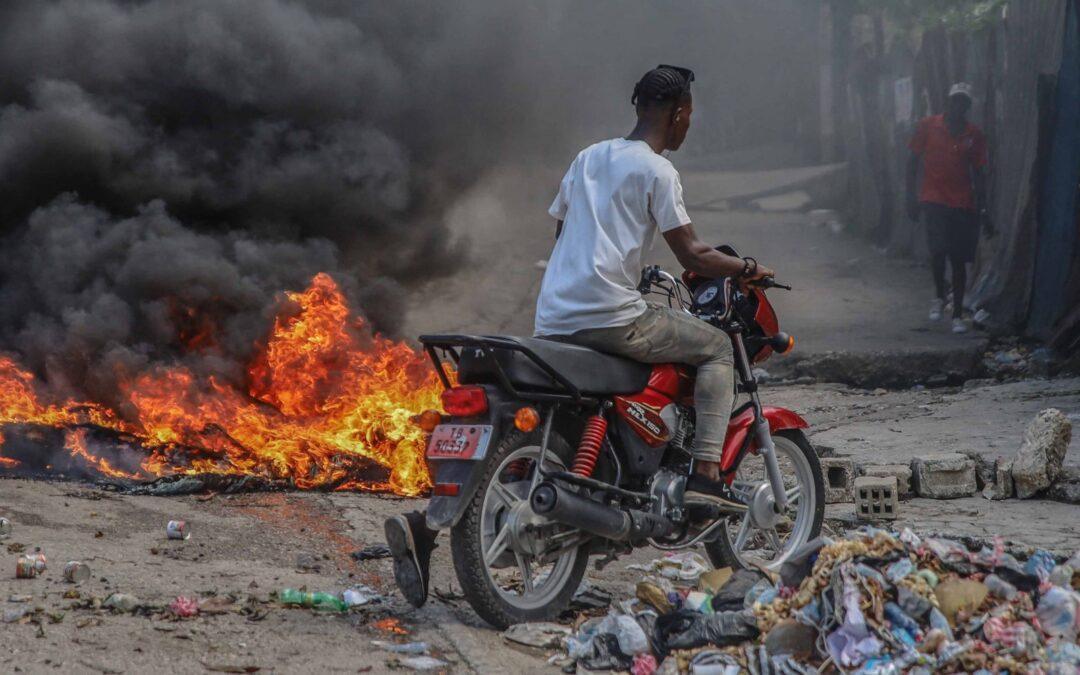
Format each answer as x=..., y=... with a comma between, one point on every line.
x=411, y=543
x=935, y=309
x=959, y=326
x=701, y=490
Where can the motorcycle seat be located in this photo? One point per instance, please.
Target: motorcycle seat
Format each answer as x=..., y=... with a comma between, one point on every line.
x=592, y=372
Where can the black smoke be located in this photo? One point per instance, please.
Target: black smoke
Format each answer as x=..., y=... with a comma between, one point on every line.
x=168, y=168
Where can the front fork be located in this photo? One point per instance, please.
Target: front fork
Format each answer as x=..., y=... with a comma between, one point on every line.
x=762, y=434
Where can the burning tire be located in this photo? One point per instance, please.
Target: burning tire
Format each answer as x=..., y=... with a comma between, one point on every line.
x=762, y=535
x=503, y=554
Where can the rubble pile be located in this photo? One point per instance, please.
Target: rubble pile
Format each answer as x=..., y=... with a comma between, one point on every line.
x=876, y=602
x=1037, y=470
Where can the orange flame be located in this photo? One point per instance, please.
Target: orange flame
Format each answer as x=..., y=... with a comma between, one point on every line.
x=325, y=394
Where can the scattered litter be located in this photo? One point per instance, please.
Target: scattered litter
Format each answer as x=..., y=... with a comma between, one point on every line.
x=326, y=602
x=713, y=580
x=184, y=607
x=644, y=664
x=421, y=663
x=874, y=602
x=76, y=571
x=40, y=562
x=121, y=602
x=415, y=648
x=589, y=597
x=654, y=596
x=360, y=595
x=542, y=635
x=217, y=604
x=14, y=614
x=25, y=568
x=372, y=552
x=5, y=527
x=177, y=529
x=687, y=566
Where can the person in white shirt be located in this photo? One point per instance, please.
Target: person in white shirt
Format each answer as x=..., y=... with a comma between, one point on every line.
x=612, y=201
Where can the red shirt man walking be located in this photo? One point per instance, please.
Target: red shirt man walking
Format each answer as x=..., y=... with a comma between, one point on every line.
x=951, y=151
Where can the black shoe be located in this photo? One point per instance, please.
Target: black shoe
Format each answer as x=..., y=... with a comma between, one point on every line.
x=701, y=490
x=411, y=543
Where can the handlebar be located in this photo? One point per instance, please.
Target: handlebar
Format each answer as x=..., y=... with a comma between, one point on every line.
x=769, y=282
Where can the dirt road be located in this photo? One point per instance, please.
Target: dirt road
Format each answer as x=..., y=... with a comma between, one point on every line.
x=243, y=547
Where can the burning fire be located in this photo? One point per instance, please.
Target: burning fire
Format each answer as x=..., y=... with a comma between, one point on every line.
x=325, y=396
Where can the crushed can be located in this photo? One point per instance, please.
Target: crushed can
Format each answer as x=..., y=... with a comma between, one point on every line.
x=25, y=568
x=5, y=527
x=177, y=529
x=40, y=562
x=76, y=571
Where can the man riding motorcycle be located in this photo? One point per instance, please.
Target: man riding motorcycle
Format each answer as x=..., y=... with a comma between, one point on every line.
x=611, y=201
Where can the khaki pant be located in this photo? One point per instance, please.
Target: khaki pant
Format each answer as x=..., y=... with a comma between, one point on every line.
x=665, y=335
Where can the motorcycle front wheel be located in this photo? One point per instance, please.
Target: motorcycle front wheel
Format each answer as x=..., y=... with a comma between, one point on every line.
x=503, y=553
x=761, y=536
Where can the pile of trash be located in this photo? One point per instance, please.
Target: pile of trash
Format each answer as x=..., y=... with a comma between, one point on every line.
x=875, y=602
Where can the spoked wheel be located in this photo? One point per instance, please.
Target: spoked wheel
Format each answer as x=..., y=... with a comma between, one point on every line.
x=762, y=535
x=513, y=565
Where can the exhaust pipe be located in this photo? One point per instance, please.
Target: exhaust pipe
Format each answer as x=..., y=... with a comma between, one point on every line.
x=551, y=501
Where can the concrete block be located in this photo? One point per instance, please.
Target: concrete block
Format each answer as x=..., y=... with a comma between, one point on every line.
x=876, y=498
x=902, y=473
x=1002, y=487
x=839, y=473
x=945, y=476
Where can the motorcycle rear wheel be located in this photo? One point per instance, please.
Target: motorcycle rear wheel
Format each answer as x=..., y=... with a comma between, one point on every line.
x=801, y=470
x=493, y=594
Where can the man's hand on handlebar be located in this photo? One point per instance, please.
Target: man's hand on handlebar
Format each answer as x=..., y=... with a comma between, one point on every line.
x=754, y=274
x=760, y=273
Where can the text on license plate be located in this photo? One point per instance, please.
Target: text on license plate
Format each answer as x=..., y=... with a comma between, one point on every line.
x=459, y=441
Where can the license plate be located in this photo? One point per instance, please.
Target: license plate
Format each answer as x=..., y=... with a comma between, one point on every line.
x=459, y=441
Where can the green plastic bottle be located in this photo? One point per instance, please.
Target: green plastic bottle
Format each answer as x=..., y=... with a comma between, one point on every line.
x=318, y=601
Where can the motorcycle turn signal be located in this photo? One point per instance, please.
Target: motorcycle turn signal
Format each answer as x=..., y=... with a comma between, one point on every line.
x=526, y=419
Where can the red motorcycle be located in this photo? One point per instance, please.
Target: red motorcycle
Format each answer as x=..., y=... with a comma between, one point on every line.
x=548, y=453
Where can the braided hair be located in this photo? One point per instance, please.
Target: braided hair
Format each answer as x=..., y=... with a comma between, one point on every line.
x=660, y=85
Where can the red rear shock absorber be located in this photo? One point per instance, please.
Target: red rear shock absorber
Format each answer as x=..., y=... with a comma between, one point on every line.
x=588, y=452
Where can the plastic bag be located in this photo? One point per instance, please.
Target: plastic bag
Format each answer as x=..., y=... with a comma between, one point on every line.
x=1040, y=564
x=1057, y=612
x=851, y=643
x=360, y=595
x=606, y=655
x=687, y=566
x=644, y=664
x=732, y=595
x=999, y=587
x=801, y=561
x=631, y=637
x=687, y=629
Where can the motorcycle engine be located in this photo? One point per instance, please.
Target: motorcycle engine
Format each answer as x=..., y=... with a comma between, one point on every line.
x=667, y=488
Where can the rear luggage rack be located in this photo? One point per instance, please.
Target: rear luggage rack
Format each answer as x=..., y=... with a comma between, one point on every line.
x=487, y=345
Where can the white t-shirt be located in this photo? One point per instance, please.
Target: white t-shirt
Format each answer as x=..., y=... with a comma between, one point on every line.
x=612, y=200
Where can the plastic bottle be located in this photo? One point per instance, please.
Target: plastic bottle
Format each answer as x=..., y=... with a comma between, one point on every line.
x=1000, y=587
x=938, y=620
x=319, y=601
x=899, y=619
